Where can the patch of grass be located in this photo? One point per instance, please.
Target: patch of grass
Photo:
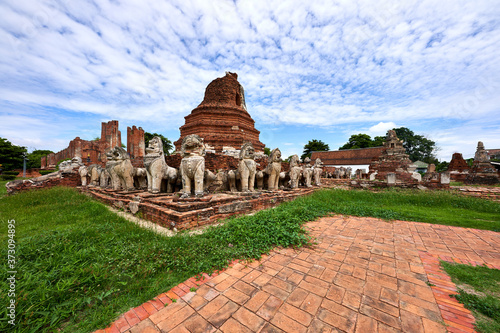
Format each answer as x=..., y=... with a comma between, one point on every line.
x=439, y=207
x=3, y=189
x=479, y=291
x=80, y=266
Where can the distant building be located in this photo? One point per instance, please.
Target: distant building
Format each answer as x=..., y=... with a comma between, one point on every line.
x=421, y=166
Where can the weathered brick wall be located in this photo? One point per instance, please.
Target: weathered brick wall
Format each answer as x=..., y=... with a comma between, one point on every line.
x=458, y=163
x=135, y=142
x=65, y=179
x=215, y=162
x=93, y=150
x=349, y=156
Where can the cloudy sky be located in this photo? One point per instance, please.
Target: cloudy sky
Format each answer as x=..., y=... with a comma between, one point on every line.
x=311, y=69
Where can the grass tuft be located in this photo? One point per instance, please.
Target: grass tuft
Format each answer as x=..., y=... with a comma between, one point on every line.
x=479, y=291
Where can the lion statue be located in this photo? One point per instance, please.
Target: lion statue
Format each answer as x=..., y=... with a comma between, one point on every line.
x=307, y=171
x=317, y=171
x=95, y=171
x=273, y=169
x=247, y=167
x=120, y=169
x=295, y=171
x=192, y=168
x=156, y=167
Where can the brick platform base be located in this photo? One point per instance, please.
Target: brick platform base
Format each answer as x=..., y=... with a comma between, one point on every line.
x=170, y=211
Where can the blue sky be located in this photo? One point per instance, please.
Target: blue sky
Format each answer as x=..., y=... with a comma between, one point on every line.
x=311, y=69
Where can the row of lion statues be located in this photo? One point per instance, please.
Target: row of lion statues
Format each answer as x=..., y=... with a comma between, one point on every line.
x=192, y=178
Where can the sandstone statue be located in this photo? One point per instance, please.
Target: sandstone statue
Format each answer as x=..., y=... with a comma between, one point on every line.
x=232, y=175
x=69, y=165
x=273, y=169
x=259, y=177
x=156, y=167
x=104, y=178
x=348, y=172
x=295, y=171
x=83, y=171
x=307, y=172
x=192, y=168
x=120, y=169
x=95, y=171
x=317, y=171
x=247, y=167
x=140, y=178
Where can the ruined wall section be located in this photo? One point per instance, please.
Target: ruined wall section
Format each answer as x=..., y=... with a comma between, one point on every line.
x=216, y=162
x=87, y=150
x=135, y=146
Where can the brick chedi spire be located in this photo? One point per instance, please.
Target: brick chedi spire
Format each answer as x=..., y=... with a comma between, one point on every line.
x=222, y=119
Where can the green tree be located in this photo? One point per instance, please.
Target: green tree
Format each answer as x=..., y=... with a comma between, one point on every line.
x=378, y=141
x=267, y=151
x=35, y=158
x=11, y=156
x=167, y=144
x=358, y=141
x=442, y=166
x=363, y=141
x=314, y=145
x=418, y=147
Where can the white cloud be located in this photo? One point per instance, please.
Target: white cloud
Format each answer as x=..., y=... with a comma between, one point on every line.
x=381, y=128
x=301, y=63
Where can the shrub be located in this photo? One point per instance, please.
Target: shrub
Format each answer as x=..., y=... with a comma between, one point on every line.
x=5, y=176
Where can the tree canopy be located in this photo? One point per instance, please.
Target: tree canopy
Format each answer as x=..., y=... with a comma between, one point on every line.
x=167, y=144
x=314, y=145
x=363, y=141
x=418, y=147
x=35, y=158
x=11, y=156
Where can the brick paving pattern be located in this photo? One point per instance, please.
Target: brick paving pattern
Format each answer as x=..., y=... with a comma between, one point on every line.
x=361, y=275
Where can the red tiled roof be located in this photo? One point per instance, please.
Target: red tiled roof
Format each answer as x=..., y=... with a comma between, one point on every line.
x=348, y=156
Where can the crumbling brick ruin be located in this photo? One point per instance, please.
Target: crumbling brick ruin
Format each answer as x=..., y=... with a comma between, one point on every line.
x=135, y=145
x=393, y=160
x=482, y=171
x=458, y=168
x=222, y=119
x=93, y=150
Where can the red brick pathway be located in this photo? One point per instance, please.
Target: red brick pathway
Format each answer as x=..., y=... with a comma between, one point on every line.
x=362, y=275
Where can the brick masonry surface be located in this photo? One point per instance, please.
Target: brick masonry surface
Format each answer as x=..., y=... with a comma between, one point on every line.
x=361, y=275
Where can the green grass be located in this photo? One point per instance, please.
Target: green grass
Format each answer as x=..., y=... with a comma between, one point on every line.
x=439, y=207
x=80, y=265
x=479, y=291
x=3, y=189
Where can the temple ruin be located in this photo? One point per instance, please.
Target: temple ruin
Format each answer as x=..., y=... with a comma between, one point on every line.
x=222, y=119
x=94, y=152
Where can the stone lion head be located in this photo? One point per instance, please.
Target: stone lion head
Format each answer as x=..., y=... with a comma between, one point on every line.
x=247, y=151
x=318, y=163
x=117, y=154
x=294, y=161
x=192, y=145
x=155, y=146
x=275, y=155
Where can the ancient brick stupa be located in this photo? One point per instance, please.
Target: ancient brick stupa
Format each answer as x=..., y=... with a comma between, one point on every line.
x=393, y=160
x=458, y=168
x=482, y=172
x=222, y=119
